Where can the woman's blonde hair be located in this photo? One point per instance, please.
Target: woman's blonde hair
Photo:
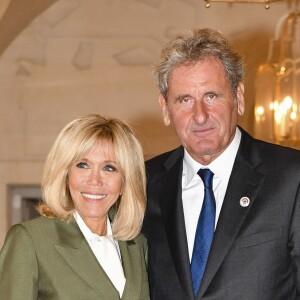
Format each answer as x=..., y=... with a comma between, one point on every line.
x=72, y=144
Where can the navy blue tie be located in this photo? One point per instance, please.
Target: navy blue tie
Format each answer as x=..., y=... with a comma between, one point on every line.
x=205, y=230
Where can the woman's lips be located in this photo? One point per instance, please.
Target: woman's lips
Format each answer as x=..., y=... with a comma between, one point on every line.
x=94, y=196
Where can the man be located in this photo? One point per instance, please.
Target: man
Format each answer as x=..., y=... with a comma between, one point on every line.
x=253, y=249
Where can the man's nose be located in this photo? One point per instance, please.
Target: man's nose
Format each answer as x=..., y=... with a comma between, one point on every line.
x=200, y=113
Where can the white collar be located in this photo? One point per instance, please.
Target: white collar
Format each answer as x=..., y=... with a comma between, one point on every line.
x=88, y=234
x=220, y=166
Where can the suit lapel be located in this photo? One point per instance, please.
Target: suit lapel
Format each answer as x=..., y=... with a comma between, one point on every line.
x=76, y=252
x=173, y=217
x=245, y=181
x=132, y=262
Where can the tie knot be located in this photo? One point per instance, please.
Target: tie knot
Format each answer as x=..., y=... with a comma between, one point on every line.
x=207, y=177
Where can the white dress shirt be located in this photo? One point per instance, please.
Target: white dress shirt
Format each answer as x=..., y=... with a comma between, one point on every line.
x=106, y=249
x=193, y=188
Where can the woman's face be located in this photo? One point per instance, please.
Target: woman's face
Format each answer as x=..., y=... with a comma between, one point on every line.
x=95, y=183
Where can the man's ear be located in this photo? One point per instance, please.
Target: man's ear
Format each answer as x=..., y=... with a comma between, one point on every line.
x=240, y=99
x=164, y=109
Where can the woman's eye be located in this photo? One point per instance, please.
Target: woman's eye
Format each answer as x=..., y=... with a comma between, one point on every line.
x=109, y=168
x=82, y=165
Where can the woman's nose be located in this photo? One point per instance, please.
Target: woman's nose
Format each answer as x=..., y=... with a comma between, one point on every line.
x=95, y=178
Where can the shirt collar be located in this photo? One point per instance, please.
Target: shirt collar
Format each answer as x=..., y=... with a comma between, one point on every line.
x=221, y=166
x=88, y=234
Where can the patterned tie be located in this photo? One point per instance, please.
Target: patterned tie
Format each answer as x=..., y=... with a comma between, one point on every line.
x=205, y=230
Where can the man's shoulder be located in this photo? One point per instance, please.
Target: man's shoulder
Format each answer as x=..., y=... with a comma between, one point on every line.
x=159, y=158
x=274, y=153
x=159, y=161
x=280, y=155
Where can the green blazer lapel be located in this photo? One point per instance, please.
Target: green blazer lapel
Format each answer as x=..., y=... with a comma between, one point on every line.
x=76, y=252
x=133, y=260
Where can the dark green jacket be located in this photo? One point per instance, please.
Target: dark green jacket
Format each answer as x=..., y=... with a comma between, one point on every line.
x=50, y=259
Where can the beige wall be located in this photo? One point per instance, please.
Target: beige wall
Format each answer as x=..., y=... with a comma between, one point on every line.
x=83, y=56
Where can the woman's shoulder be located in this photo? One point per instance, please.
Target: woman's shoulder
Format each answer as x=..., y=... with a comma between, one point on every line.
x=43, y=229
x=38, y=225
x=27, y=231
x=38, y=221
x=140, y=239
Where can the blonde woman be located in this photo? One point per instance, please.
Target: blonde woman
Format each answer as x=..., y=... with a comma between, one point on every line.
x=86, y=244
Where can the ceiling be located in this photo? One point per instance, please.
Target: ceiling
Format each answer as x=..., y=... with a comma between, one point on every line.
x=22, y=11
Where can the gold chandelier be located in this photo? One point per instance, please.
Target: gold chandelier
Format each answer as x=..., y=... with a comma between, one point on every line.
x=277, y=102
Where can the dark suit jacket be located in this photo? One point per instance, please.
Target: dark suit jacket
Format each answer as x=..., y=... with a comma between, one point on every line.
x=255, y=253
x=50, y=259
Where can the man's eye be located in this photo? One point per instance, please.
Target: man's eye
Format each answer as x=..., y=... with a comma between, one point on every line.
x=82, y=165
x=110, y=168
x=186, y=100
x=211, y=96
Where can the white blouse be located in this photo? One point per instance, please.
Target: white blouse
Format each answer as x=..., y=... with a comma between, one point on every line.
x=107, y=251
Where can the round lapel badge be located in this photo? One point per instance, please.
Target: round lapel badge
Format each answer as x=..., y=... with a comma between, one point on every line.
x=245, y=201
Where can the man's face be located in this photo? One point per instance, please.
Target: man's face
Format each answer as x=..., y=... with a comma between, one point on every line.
x=201, y=108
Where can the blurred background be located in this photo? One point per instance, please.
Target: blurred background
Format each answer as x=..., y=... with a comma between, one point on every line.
x=60, y=59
